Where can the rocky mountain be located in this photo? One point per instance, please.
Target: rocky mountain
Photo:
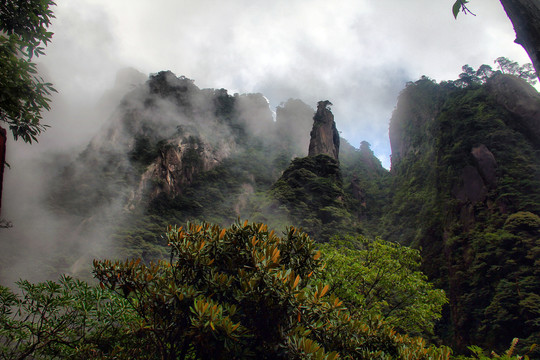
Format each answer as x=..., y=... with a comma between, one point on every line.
x=324, y=135
x=463, y=187
x=162, y=137
x=465, y=167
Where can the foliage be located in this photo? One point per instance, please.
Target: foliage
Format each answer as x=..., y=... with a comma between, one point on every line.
x=69, y=319
x=471, y=77
x=243, y=292
x=23, y=93
x=479, y=353
x=239, y=292
x=525, y=72
x=312, y=190
x=523, y=221
x=460, y=5
x=383, y=278
x=481, y=251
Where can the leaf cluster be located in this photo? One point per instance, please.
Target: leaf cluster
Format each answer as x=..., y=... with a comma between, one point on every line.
x=383, y=278
x=68, y=319
x=23, y=93
x=243, y=292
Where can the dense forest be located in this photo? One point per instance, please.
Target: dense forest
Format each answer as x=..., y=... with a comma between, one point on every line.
x=340, y=257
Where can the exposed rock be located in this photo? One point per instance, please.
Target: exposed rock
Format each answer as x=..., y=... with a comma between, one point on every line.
x=417, y=107
x=486, y=163
x=472, y=186
x=178, y=166
x=358, y=192
x=324, y=135
x=520, y=98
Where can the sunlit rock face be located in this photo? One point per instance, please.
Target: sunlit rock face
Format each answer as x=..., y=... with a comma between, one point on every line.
x=324, y=135
x=178, y=165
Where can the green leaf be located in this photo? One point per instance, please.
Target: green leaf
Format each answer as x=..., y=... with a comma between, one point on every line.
x=456, y=8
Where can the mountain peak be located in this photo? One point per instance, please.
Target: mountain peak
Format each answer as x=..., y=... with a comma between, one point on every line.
x=324, y=134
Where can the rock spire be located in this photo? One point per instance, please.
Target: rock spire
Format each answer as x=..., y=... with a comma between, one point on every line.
x=324, y=134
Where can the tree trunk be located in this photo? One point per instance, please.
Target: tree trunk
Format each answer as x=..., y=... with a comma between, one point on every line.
x=3, y=138
x=525, y=16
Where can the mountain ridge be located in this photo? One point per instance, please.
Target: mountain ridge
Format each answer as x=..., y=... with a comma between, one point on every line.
x=464, y=176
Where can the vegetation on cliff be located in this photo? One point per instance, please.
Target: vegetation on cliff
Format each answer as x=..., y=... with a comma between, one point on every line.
x=466, y=167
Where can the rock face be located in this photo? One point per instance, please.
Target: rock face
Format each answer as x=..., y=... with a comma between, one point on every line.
x=177, y=166
x=476, y=180
x=486, y=164
x=416, y=109
x=324, y=135
x=521, y=99
x=464, y=159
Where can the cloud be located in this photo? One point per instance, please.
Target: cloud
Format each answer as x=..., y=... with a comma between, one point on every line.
x=357, y=53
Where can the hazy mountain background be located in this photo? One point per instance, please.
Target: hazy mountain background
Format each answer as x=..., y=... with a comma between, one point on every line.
x=225, y=135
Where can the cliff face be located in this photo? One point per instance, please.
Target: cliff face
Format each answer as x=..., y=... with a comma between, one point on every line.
x=417, y=107
x=464, y=162
x=519, y=98
x=177, y=166
x=161, y=136
x=169, y=140
x=324, y=134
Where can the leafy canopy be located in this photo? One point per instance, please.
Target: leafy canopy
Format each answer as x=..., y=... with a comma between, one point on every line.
x=239, y=292
x=243, y=292
x=383, y=278
x=226, y=293
x=23, y=93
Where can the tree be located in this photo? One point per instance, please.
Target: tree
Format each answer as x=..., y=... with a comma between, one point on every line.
x=68, y=319
x=525, y=17
x=23, y=93
x=525, y=72
x=468, y=77
x=226, y=293
x=243, y=292
x=383, y=278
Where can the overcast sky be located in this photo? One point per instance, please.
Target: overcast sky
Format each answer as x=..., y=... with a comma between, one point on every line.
x=356, y=53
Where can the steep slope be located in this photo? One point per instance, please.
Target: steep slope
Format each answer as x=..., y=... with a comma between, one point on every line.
x=328, y=197
x=466, y=171
x=367, y=184
x=173, y=152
